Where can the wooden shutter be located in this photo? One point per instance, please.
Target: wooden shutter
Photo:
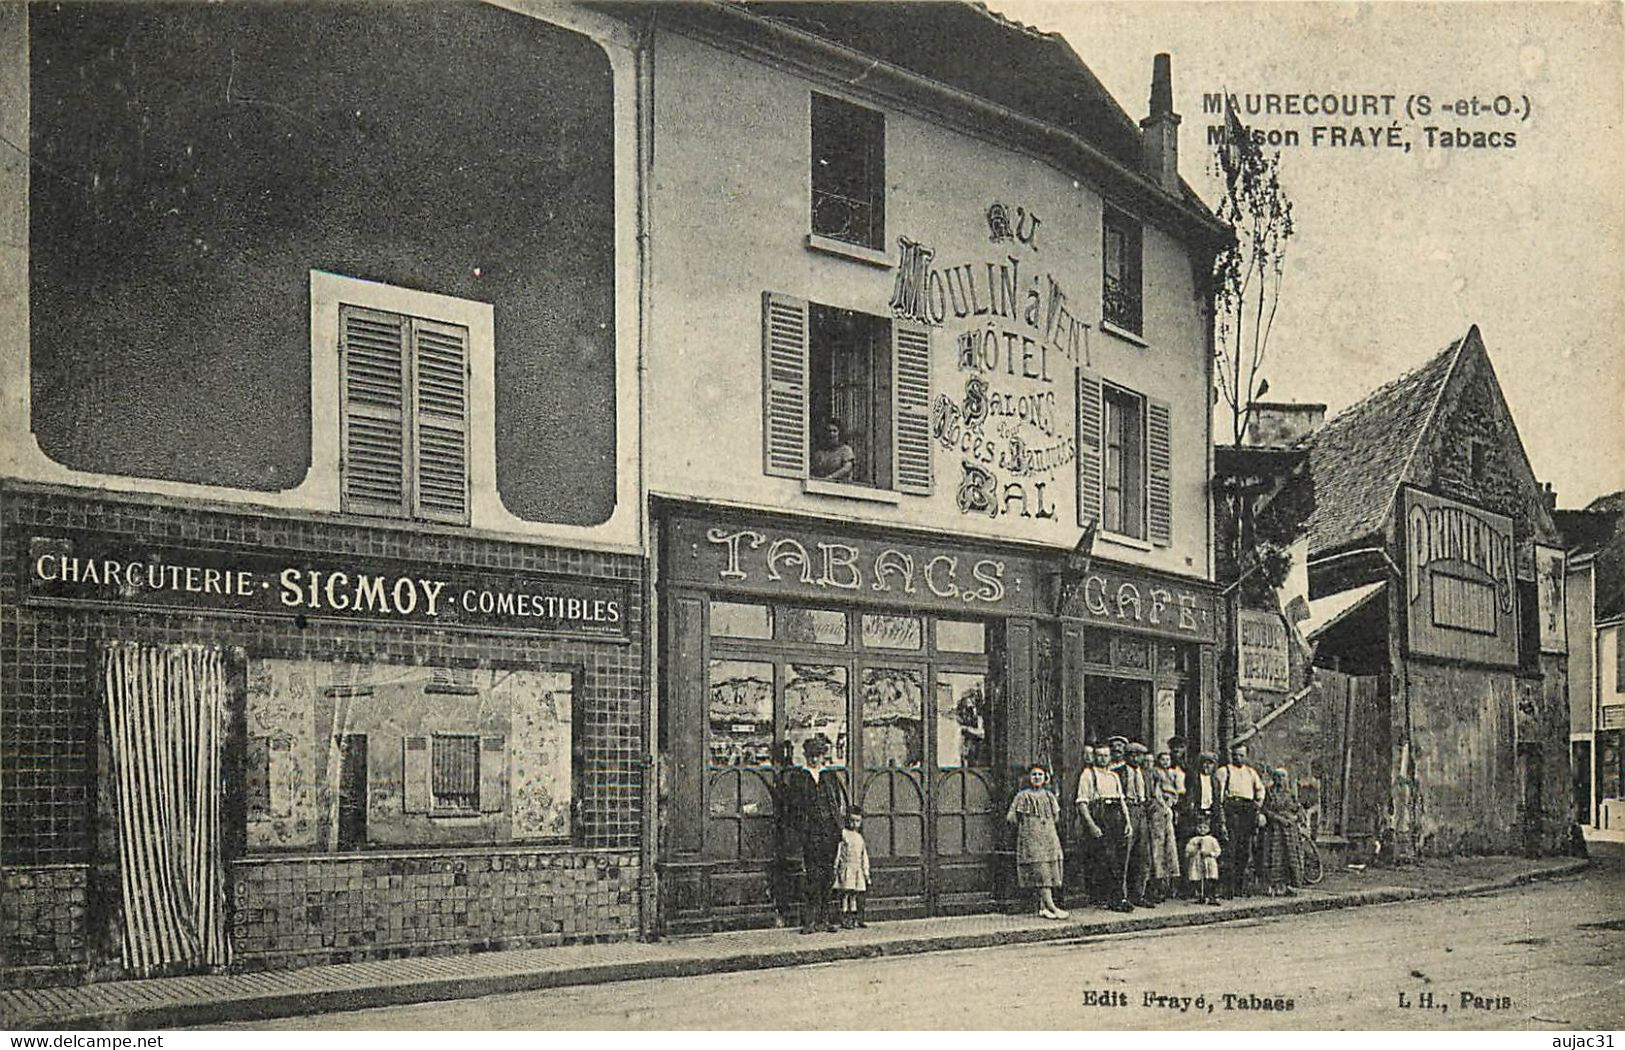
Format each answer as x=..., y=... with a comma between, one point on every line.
x=784, y=386
x=416, y=788
x=911, y=408
x=1159, y=472
x=1619, y=657
x=1090, y=421
x=372, y=429
x=440, y=387
x=493, y=773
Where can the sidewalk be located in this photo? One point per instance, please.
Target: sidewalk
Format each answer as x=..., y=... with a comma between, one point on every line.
x=176, y=1001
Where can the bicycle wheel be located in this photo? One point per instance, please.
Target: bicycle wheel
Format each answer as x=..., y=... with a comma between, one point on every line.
x=1313, y=869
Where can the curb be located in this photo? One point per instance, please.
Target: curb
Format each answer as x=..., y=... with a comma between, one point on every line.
x=262, y=1006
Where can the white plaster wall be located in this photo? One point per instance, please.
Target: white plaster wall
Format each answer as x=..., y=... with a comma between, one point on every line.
x=730, y=211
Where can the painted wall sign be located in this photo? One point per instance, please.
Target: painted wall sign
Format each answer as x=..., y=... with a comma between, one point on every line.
x=1014, y=333
x=795, y=562
x=95, y=569
x=1549, y=576
x=1613, y=717
x=1461, y=582
x=1264, y=662
x=1134, y=601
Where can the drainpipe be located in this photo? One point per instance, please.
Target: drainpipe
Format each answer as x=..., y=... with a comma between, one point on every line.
x=649, y=839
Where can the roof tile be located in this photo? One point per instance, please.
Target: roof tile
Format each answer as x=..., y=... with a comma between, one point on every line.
x=1359, y=457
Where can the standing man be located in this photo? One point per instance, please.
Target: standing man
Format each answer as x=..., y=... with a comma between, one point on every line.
x=1104, y=813
x=1243, y=792
x=1137, y=795
x=786, y=872
x=815, y=805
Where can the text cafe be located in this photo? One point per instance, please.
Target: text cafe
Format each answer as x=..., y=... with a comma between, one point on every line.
x=934, y=669
x=457, y=707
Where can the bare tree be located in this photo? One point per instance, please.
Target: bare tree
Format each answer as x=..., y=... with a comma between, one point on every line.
x=1247, y=274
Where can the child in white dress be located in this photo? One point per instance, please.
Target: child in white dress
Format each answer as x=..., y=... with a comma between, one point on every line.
x=1202, y=864
x=852, y=870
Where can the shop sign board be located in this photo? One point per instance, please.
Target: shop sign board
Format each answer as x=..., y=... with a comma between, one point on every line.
x=1264, y=662
x=813, y=564
x=1550, y=569
x=1613, y=717
x=1128, y=600
x=92, y=569
x=1461, y=581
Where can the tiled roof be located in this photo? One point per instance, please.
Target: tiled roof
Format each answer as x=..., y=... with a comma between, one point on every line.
x=1360, y=457
x=1610, y=560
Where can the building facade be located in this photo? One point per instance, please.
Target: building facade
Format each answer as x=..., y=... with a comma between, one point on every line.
x=915, y=328
x=1437, y=716
x=321, y=538
x=1596, y=624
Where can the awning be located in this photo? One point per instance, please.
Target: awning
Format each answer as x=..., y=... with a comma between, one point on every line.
x=1324, y=612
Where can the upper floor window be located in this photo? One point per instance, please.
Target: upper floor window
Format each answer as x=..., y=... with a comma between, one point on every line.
x=404, y=415
x=1120, y=295
x=848, y=172
x=1125, y=461
x=846, y=396
x=1123, y=468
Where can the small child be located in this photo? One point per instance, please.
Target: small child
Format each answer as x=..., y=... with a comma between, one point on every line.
x=1034, y=811
x=1202, y=864
x=852, y=870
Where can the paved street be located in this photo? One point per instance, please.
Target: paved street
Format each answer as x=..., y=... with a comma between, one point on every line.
x=1546, y=956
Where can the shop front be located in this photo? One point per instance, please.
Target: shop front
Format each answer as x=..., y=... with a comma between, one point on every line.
x=1139, y=652
x=280, y=742
x=912, y=658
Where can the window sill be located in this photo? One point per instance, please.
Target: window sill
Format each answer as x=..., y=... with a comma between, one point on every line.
x=1132, y=542
x=857, y=252
x=1123, y=334
x=842, y=490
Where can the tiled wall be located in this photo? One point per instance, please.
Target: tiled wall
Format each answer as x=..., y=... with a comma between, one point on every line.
x=42, y=923
x=311, y=910
x=47, y=707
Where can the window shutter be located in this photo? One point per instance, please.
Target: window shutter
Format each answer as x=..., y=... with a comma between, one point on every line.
x=1619, y=658
x=1159, y=472
x=417, y=790
x=440, y=366
x=911, y=408
x=493, y=773
x=784, y=386
x=1089, y=427
x=372, y=439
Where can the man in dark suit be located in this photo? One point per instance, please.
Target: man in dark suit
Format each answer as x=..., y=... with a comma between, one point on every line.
x=815, y=804
x=1203, y=801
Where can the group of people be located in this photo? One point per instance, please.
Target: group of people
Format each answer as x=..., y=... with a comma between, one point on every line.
x=1152, y=828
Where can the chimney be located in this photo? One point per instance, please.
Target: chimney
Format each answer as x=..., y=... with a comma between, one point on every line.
x=1548, y=496
x=1159, y=132
x=1281, y=424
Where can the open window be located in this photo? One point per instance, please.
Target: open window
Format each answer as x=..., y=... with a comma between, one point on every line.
x=846, y=397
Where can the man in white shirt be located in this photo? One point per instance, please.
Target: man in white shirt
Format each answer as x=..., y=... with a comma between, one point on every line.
x=1104, y=813
x=1242, y=790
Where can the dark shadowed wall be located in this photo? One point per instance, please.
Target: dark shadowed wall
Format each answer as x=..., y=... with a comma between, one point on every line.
x=194, y=162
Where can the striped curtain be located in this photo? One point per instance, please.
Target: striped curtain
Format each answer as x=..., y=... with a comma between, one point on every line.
x=166, y=711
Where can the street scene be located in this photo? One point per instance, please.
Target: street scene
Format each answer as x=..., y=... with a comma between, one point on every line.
x=603, y=513
x=1540, y=957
